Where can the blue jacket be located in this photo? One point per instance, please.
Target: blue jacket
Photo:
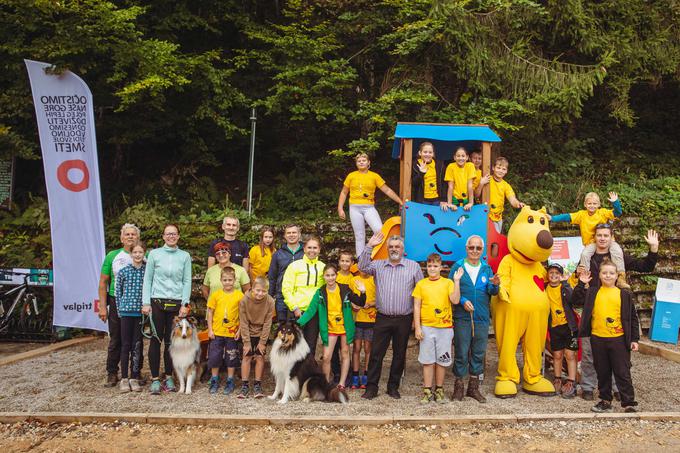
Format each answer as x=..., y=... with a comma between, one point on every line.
x=280, y=261
x=478, y=293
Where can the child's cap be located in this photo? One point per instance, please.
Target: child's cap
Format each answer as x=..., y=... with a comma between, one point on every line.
x=557, y=266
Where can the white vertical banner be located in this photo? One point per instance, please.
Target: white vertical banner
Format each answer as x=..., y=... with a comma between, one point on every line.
x=64, y=110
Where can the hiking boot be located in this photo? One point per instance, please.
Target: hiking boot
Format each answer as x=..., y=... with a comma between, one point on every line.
x=111, y=380
x=134, y=385
x=557, y=383
x=458, y=390
x=257, y=390
x=355, y=382
x=473, y=390
x=621, y=281
x=602, y=406
x=568, y=389
x=427, y=396
x=124, y=385
x=155, y=387
x=587, y=395
x=214, y=384
x=439, y=395
x=230, y=387
x=364, y=381
x=244, y=392
x=169, y=384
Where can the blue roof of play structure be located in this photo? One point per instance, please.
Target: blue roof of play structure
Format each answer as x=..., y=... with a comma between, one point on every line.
x=445, y=137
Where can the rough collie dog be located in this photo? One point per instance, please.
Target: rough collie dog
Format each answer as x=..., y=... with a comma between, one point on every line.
x=185, y=351
x=296, y=372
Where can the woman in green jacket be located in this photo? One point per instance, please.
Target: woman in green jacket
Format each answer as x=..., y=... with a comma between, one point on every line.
x=333, y=302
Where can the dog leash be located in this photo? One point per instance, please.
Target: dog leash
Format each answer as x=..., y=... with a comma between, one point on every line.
x=154, y=333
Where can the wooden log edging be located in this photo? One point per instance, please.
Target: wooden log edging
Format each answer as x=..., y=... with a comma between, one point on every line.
x=37, y=352
x=241, y=420
x=649, y=348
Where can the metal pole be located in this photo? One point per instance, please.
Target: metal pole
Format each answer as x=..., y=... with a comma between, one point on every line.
x=253, y=121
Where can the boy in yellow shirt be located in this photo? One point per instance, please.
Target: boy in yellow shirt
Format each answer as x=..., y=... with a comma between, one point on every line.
x=499, y=191
x=223, y=330
x=460, y=175
x=433, y=320
x=363, y=333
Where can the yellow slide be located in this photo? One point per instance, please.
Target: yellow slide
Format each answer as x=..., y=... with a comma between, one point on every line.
x=392, y=227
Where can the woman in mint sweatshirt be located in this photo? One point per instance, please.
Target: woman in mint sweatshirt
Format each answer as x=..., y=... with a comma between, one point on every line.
x=333, y=301
x=166, y=291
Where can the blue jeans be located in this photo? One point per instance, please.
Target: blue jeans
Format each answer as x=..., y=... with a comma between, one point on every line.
x=469, y=350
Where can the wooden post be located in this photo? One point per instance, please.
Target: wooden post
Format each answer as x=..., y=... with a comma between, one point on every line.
x=486, y=168
x=406, y=162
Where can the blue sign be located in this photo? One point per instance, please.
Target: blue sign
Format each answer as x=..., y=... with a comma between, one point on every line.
x=666, y=312
x=427, y=229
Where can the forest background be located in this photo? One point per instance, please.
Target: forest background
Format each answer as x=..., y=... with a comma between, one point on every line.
x=585, y=95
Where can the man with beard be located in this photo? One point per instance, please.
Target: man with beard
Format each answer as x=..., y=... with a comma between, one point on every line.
x=395, y=279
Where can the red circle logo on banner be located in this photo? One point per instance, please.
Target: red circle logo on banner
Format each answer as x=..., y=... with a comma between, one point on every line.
x=76, y=164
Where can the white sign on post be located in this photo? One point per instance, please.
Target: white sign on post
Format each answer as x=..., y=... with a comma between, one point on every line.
x=65, y=115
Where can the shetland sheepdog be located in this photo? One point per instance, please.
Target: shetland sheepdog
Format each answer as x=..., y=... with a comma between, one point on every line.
x=296, y=372
x=185, y=351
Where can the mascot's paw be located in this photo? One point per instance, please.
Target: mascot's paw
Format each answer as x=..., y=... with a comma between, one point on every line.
x=503, y=295
x=505, y=389
x=541, y=388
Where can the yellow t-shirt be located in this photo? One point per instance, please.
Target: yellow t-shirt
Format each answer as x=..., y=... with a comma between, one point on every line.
x=336, y=322
x=225, y=306
x=498, y=192
x=460, y=177
x=430, y=181
x=259, y=263
x=368, y=313
x=435, y=308
x=346, y=280
x=587, y=223
x=558, y=317
x=478, y=178
x=362, y=186
x=606, y=319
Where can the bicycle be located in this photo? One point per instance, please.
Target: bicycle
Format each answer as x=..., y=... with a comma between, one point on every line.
x=22, y=295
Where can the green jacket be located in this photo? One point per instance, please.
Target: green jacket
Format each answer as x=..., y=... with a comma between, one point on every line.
x=319, y=303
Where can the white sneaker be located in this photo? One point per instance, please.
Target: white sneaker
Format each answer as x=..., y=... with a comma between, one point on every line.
x=134, y=385
x=124, y=385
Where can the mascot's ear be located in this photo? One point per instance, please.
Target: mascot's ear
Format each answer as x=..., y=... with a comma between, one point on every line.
x=543, y=210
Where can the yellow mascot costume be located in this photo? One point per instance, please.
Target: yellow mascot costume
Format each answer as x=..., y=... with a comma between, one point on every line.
x=520, y=311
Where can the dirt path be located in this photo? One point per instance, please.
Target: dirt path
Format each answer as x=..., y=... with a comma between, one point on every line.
x=600, y=436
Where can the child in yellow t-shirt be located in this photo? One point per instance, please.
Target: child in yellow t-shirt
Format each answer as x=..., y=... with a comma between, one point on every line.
x=610, y=320
x=223, y=330
x=361, y=185
x=476, y=159
x=460, y=175
x=499, y=191
x=363, y=336
x=260, y=255
x=587, y=220
x=428, y=178
x=433, y=320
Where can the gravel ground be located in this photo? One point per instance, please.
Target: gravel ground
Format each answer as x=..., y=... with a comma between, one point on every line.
x=596, y=435
x=71, y=380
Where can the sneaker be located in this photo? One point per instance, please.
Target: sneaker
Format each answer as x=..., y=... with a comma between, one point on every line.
x=257, y=390
x=439, y=395
x=355, y=382
x=427, y=396
x=630, y=409
x=124, y=385
x=214, y=384
x=602, y=406
x=230, y=387
x=587, y=395
x=155, y=387
x=364, y=381
x=169, y=384
x=568, y=389
x=134, y=385
x=111, y=380
x=244, y=392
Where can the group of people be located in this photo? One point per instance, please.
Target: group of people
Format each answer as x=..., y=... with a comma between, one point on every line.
x=382, y=302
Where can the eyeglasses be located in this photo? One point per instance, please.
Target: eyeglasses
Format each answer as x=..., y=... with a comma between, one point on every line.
x=478, y=248
x=170, y=235
x=222, y=252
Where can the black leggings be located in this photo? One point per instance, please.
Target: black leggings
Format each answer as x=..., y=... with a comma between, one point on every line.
x=163, y=321
x=131, y=348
